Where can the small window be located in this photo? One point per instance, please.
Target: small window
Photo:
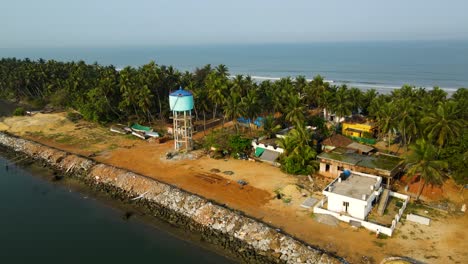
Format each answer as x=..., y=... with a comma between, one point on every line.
x=327, y=167
x=346, y=205
x=340, y=168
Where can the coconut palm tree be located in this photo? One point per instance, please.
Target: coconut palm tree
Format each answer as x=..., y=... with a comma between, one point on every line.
x=301, y=85
x=442, y=125
x=367, y=99
x=270, y=127
x=317, y=90
x=298, y=156
x=386, y=119
x=422, y=161
x=234, y=108
x=341, y=103
x=295, y=110
x=217, y=87
x=356, y=97
x=406, y=120
x=460, y=97
x=203, y=103
x=222, y=70
x=251, y=106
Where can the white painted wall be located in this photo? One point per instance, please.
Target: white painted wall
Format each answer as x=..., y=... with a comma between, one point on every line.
x=357, y=208
x=261, y=145
x=368, y=225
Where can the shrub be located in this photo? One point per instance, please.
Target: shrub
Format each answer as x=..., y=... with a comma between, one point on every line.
x=74, y=117
x=19, y=111
x=238, y=144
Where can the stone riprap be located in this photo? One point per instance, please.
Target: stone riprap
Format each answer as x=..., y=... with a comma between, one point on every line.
x=249, y=239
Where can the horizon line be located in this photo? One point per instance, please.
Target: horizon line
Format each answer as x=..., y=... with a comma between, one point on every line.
x=128, y=45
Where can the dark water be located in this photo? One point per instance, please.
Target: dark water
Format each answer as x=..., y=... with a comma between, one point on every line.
x=380, y=65
x=50, y=222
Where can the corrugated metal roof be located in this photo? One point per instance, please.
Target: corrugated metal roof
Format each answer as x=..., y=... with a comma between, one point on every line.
x=269, y=155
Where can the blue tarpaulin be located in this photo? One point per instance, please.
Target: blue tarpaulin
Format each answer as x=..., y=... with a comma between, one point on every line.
x=258, y=121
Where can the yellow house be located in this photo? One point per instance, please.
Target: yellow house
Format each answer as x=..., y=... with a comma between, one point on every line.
x=358, y=130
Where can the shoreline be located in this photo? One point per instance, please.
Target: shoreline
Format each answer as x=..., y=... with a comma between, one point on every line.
x=249, y=239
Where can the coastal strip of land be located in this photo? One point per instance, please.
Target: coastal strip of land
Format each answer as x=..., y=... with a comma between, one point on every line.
x=248, y=238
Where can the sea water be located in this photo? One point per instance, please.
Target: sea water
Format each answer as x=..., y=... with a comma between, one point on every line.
x=380, y=65
x=50, y=222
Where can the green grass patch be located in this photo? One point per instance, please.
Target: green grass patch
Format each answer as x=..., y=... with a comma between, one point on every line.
x=65, y=139
x=38, y=134
x=382, y=236
x=113, y=146
x=379, y=243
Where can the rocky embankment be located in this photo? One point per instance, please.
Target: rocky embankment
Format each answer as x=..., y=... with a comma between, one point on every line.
x=249, y=239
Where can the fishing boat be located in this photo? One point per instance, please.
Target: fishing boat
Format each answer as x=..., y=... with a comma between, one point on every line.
x=152, y=134
x=121, y=129
x=139, y=134
x=140, y=128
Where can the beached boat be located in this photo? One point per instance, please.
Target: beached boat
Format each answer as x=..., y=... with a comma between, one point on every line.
x=139, y=134
x=140, y=128
x=119, y=130
x=152, y=134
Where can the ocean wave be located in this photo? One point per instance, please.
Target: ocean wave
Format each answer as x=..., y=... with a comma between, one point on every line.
x=380, y=86
x=265, y=78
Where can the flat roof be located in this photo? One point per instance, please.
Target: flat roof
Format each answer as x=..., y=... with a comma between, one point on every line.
x=361, y=147
x=354, y=186
x=380, y=162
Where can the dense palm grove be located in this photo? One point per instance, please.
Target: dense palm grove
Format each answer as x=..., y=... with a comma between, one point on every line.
x=427, y=121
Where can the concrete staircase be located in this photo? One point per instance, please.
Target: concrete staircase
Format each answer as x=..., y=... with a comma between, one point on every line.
x=383, y=201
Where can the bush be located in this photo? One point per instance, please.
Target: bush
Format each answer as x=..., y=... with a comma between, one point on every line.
x=19, y=111
x=74, y=117
x=238, y=144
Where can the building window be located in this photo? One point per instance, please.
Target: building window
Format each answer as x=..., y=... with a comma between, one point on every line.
x=327, y=167
x=346, y=205
x=340, y=168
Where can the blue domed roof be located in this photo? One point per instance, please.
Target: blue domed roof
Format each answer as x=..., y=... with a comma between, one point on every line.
x=181, y=92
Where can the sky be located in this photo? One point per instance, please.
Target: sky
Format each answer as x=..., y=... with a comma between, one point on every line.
x=62, y=23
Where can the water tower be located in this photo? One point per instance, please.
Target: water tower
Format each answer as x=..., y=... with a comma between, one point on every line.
x=181, y=104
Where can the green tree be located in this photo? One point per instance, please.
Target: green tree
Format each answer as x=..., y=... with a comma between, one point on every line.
x=217, y=87
x=422, y=161
x=234, y=108
x=298, y=157
x=442, y=125
x=270, y=127
x=386, y=119
x=341, y=103
x=295, y=110
x=406, y=120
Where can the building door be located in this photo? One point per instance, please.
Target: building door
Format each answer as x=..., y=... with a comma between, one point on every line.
x=346, y=205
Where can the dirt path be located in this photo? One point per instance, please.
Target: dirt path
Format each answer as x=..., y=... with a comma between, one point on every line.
x=445, y=241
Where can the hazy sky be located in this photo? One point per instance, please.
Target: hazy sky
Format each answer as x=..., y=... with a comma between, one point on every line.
x=33, y=23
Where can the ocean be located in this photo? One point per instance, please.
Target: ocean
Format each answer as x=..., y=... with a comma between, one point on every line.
x=380, y=65
x=42, y=221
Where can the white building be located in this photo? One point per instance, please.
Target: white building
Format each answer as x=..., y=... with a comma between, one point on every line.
x=351, y=197
x=353, y=194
